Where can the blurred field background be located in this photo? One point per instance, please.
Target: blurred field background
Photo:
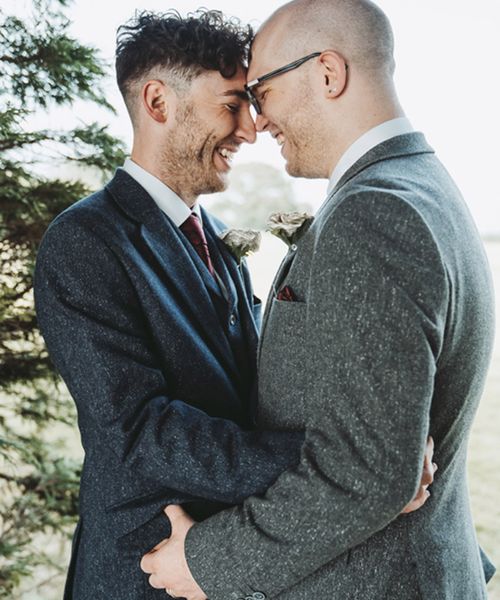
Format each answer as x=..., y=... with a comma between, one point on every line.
x=484, y=452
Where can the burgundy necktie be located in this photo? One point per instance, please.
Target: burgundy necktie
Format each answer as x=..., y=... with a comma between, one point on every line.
x=193, y=230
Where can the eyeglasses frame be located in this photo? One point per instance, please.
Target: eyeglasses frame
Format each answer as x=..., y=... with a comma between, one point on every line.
x=280, y=71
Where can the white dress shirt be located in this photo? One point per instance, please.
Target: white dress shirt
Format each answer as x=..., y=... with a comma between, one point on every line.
x=166, y=199
x=370, y=139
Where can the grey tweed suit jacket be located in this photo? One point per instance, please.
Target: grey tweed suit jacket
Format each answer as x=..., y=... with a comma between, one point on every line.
x=389, y=341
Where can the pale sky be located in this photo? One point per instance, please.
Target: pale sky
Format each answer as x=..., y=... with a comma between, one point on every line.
x=447, y=53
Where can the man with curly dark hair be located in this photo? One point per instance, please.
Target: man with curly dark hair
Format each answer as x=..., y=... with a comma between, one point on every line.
x=182, y=81
x=148, y=316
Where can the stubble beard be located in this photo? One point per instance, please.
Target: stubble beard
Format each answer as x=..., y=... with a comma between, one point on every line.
x=300, y=159
x=187, y=157
x=305, y=146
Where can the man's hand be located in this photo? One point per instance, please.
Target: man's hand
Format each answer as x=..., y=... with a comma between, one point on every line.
x=427, y=478
x=166, y=562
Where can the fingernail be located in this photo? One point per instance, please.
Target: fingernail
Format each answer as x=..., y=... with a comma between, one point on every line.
x=435, y=466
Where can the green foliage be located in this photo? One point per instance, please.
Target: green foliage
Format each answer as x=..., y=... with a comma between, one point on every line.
x=41, y=66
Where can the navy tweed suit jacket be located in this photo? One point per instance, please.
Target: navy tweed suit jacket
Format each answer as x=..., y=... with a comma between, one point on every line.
x=161, y=366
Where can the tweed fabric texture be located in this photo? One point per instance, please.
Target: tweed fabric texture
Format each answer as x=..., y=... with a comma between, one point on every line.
x=161, y=368
x=389, y=340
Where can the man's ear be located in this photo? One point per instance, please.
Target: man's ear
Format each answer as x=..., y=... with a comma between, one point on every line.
x=154, y=100
x=334, y=71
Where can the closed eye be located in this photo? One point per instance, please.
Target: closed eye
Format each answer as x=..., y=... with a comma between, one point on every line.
x=261, y=95
x=234, y=108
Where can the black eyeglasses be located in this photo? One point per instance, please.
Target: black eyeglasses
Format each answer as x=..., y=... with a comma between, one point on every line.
x=289, y=67
x=255, y=82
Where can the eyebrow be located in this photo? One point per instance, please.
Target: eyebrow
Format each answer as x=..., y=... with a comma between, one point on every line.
x=239, y=93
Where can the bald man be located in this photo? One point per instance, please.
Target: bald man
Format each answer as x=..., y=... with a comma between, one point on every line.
x=378, y=332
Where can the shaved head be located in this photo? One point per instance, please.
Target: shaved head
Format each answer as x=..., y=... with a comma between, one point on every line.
x=356, y=29
x=317, y=108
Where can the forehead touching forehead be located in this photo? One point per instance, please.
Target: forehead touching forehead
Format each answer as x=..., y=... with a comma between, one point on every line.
x=357, y=29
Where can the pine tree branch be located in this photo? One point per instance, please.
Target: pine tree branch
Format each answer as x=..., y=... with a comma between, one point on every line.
x=22, y=140
x=42, y=66
x=20, y=59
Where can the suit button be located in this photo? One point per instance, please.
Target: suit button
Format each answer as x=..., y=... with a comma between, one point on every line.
x=293, y=248
x=258, y=596
x=232, y=320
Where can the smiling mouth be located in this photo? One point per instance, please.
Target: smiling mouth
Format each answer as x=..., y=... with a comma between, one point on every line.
x=279, y=137
x=226, y=155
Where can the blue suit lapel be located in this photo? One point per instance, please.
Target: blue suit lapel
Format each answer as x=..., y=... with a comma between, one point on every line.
x=231, y=294
x=242, y=295
x=178, y=260
x=231, y=271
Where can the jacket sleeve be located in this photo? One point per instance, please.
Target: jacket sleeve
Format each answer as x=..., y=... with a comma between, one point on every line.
x=376, y=311
x=158, y=445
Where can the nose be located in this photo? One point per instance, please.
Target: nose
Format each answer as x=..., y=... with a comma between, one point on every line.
x=261, y=123
x=246, y=127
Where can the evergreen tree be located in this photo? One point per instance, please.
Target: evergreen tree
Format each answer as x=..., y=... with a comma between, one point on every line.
x=41, y=68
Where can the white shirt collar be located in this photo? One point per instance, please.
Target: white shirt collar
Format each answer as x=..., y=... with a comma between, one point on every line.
x=166, y=199
x=370, y=139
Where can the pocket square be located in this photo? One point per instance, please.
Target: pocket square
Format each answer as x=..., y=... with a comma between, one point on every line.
x=286, y=293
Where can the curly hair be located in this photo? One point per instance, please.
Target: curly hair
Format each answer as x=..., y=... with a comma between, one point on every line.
x=187, y=46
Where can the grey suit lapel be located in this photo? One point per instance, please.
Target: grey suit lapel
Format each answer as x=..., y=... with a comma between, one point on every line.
x=282, y=272
x=399, y=146
x=283, y=269
x=226, y=283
